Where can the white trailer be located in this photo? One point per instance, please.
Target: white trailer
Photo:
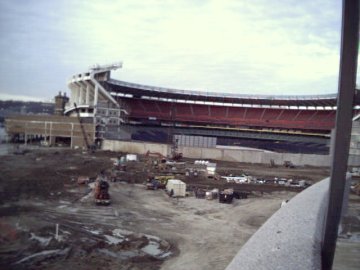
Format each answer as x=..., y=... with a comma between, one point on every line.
x=176, y=187
x=210, y=169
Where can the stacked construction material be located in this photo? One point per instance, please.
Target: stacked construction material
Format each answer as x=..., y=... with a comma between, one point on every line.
x=226, y=196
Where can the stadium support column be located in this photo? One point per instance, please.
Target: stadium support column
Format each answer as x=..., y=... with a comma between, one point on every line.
x=82, y=94
x=72, y=94
x=87, y=96
x=79, y=102
x=77, y=94
x=96, y=95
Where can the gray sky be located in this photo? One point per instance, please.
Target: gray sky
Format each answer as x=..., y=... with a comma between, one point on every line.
x=235, y=46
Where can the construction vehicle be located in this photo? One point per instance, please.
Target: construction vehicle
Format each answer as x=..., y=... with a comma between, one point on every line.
x=289, y=164
x=160, y=165
x=158, y=182
x=175, y=155
x=155, y=154
x=200, y=193
x=101, y=192
x=159, y=162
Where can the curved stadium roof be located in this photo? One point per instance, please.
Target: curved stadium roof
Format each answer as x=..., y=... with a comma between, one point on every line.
x=138, y=90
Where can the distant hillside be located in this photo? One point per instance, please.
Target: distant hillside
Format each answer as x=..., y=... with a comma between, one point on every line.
x=10, y=107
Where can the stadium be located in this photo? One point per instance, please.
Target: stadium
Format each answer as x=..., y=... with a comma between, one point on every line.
x=129, y=111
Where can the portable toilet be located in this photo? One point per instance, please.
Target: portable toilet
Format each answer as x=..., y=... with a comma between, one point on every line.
x=176, y=187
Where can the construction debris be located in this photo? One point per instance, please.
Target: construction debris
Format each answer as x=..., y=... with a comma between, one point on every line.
x=226, y=196
x=108, y=237
x=83, y=180
x=213, y=194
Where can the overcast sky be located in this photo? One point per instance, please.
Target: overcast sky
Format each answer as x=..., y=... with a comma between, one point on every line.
x=237, y=46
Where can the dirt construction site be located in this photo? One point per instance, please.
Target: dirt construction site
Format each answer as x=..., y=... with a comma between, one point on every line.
x=50, y=221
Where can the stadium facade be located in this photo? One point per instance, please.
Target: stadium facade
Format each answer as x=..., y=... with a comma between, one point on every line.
x=127, y=111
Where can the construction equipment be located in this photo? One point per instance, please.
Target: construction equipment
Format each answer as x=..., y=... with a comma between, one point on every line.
x=241, y=195
x=155, y=154
x=158, y=182
x=160, y=165
x=200, y=193
x=289, y=164
x=152, y=183
x=101, y=192
x=213, y=194
x=226, y=196
x=83, y=180
x=175, y=155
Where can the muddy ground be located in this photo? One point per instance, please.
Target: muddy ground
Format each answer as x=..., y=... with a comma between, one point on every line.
x=141, y=229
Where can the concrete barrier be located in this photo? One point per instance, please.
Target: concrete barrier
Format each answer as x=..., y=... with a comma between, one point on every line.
x=225, y=154
x=291, y=238
x=135, y=147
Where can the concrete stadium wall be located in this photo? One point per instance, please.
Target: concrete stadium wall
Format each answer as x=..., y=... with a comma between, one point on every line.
x=236, y=155
x=134, y=147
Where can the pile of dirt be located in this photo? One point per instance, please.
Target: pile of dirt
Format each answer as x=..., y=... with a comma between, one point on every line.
x=43, y=174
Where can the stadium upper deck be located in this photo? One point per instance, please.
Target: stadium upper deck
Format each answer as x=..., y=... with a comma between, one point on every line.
x=96, y=93
x=307, y=113
x=139, y=90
